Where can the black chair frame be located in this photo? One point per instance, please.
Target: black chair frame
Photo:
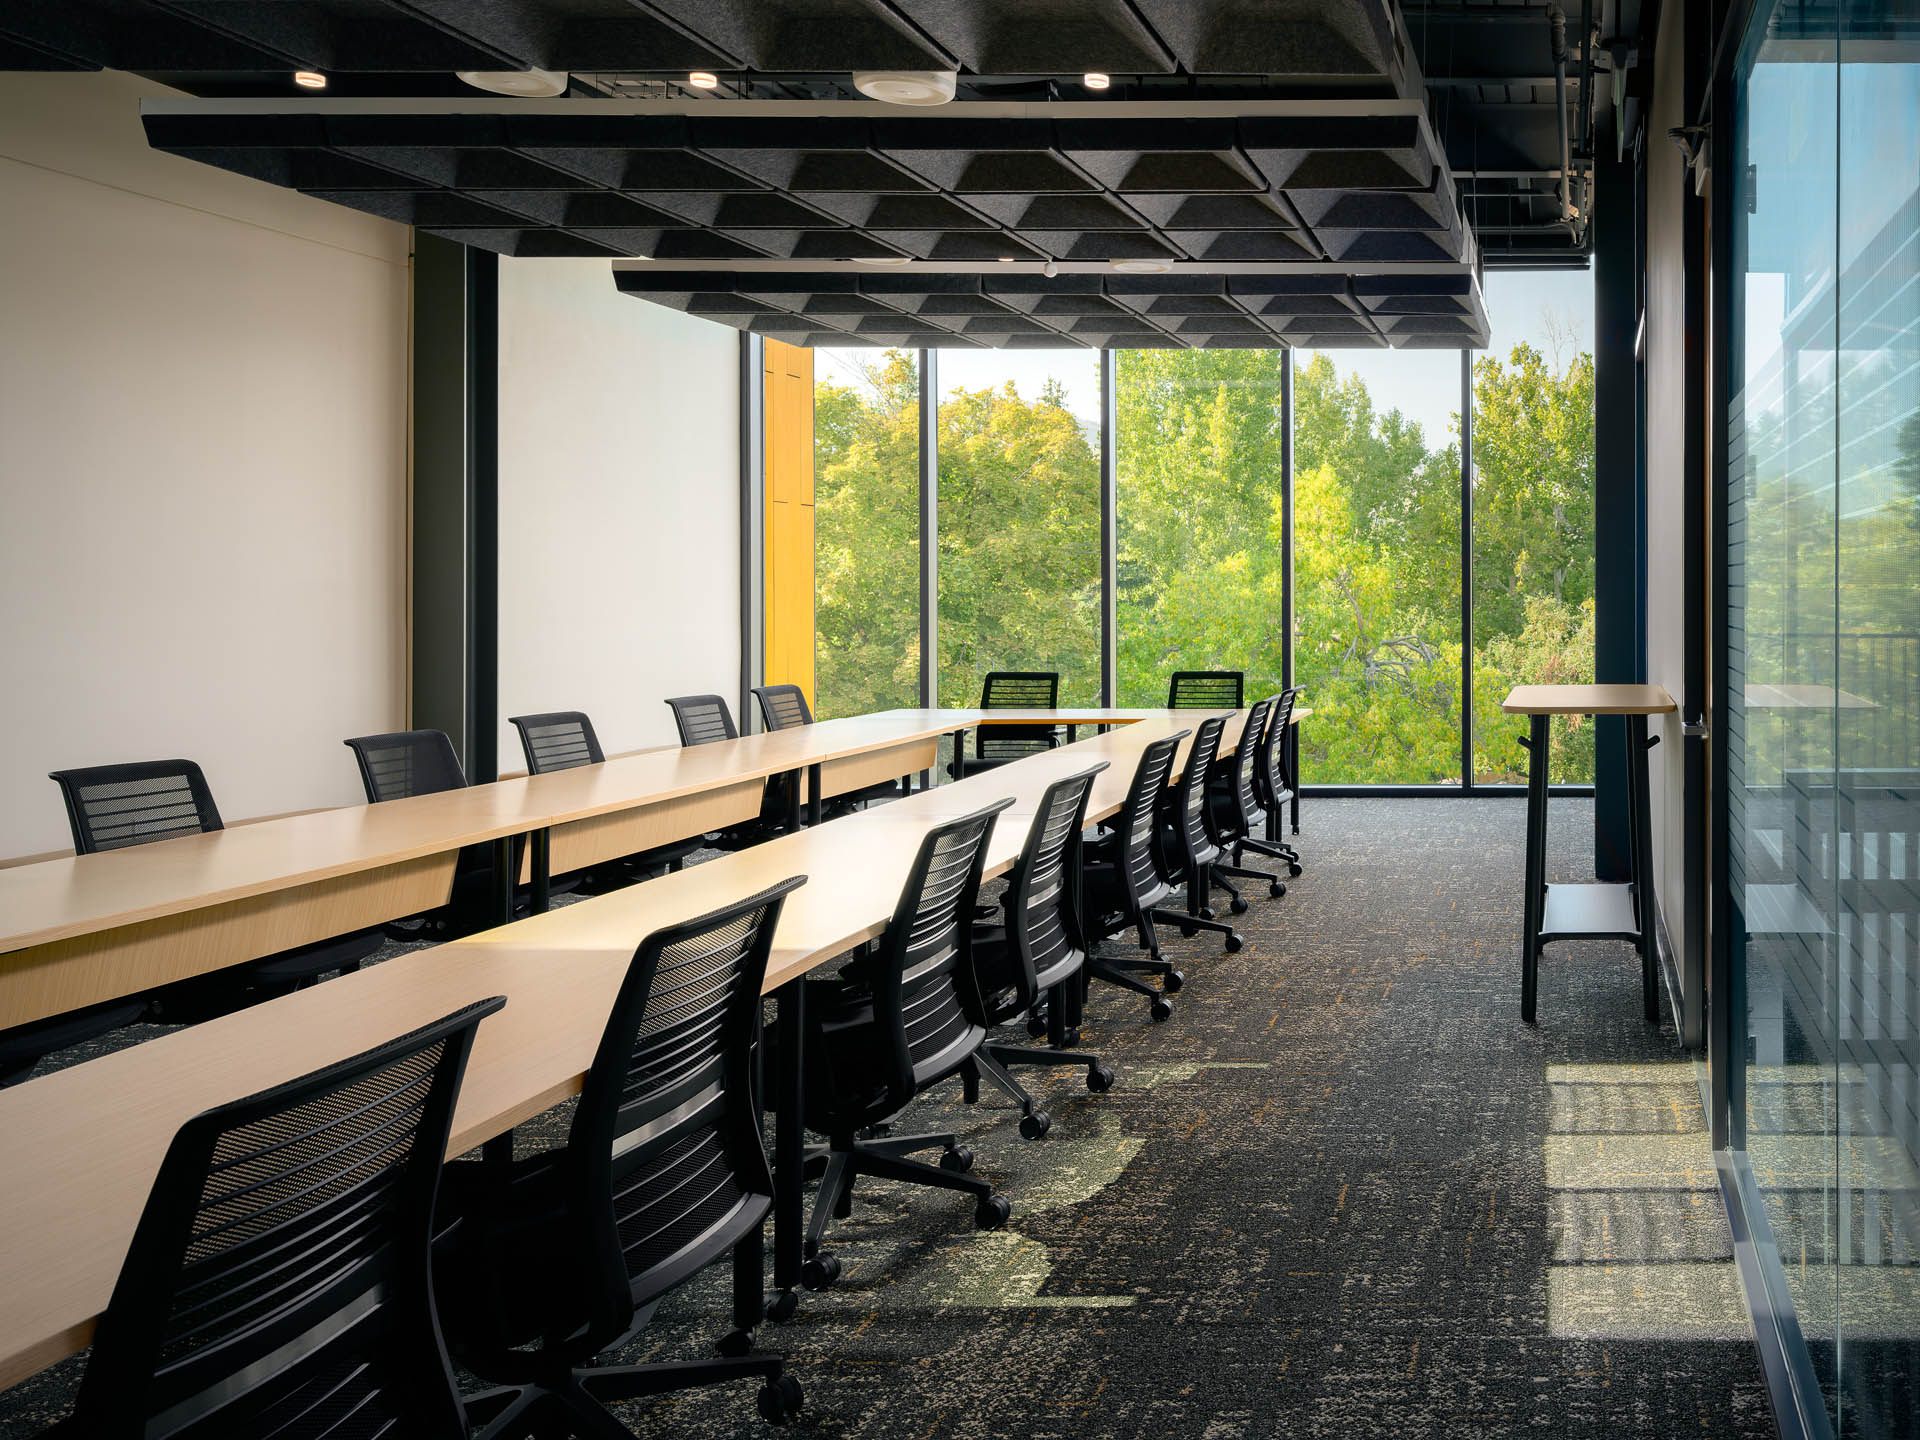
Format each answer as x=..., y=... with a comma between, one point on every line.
x=1187, y=839
x=1233, y=811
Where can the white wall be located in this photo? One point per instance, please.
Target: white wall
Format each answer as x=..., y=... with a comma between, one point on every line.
x=619, y=504
x=1667, y=188
x=203, y=392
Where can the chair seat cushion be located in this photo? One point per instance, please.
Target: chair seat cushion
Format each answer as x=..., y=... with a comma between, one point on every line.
x=504, y=1261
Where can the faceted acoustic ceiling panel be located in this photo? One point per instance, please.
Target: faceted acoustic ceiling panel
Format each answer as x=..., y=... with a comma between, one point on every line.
x=831, y=196
x=1122, y=312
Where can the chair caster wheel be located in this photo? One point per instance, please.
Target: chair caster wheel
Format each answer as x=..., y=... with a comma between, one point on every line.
x=820, y=1272
x=960, y=1159
x=1035, y=1125
x=1100, y=1078
x=992, y=1212
x=1234, y=942
x=1036, y=1027
x=780, y=1400
x=1239, y=906
x=1187, y=932
x=1277, y=889
x=1172, y=981
x=1293, y=869
x=783, y=1305
x=1205, y=912
x=1160, y=1009
x=734, y=1343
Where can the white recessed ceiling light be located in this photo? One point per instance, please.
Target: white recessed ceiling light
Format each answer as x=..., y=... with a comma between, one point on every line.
x=883, y=259
x=906, y=87
x=309, y=79
x=1094, y=80
x=1143, y=267
x=520, y=84
x=703, y=80
x=1004, y=259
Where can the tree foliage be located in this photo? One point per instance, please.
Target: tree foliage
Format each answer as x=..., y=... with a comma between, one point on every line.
x=1199, y=580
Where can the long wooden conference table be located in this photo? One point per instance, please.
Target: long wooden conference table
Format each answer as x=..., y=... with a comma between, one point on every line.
x=83, y=1144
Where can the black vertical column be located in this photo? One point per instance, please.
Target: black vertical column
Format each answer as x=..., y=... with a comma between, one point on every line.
x=753, y=490
x=1286, y=518
x=1466, y=572
x=455, y=514
x=1616, y=480
x=930, y=529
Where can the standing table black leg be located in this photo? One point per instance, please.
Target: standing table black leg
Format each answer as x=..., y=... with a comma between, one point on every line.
x=815, y=800
x=789, y=1149
x=505, y=874
x=1641, y=860
x=793, y=801
x=1532, y=918
x=541, y=879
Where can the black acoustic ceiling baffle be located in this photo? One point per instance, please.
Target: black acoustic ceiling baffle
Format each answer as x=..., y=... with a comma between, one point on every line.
x=822, y=191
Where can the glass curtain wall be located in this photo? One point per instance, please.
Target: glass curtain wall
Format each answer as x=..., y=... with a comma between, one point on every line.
x=866, y=452
x=1019, y=519
x=1199, y=480
x=1532, y=453
x=1376, y=479
x=1822, y=710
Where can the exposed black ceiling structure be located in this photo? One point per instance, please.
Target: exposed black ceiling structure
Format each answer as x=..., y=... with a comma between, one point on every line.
x=1320, y=172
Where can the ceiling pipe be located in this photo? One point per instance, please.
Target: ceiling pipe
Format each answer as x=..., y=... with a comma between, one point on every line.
x=1557, y=30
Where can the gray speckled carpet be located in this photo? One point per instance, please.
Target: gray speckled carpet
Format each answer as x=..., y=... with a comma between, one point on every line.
x=1343, y=1192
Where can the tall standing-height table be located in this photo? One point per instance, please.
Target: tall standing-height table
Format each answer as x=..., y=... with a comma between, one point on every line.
x=1591, y=911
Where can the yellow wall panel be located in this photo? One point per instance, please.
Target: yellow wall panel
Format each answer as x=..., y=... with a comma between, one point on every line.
x=787, y=377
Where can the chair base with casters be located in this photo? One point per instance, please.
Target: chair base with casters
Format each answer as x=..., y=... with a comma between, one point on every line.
x=1125, y=970
x=992, y=1062
x=1223, y=875
x=884, y=1157
x=1276, y=850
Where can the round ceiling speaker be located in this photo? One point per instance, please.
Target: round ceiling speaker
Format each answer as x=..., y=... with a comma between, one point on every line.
x=521, y=84
x=906, y=87
x=883, y=259
x=1143, y=267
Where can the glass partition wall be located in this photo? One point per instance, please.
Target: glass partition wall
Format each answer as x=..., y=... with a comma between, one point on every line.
x=1213, y=461
x=1821, y=708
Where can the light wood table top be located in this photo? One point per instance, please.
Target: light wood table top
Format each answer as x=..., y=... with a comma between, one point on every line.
x=82, y=894
x=1588, y=700
x=83, y=1144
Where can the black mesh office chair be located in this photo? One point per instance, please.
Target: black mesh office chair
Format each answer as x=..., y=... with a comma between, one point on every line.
x=1272, y=786
x=111, y=807
x=1000, y=744
x=663, y=1173
x=277, y=1283
x=900, y=1018
x=1038, y=950
x=782, y=707
x=1233, y=810
x=565, y=740
x=1206, y=690
x=1126, y=880
x=706, y=720
x=1185, y=839
x=405, y=763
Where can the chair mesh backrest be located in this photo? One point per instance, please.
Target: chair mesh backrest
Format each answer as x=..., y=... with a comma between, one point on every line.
x=1270, y=781
x=1043, y=899
x=1017, y=690
x=1140, y=871
x=924, y=989
x=702, y=719
x=1247, y=757
x=667, y=1133
x=113, y=806
x=278, y=1275
x=1192, y=841
x=407, y=762
x=558, y=740
x=783, y=706
x=1206, y=690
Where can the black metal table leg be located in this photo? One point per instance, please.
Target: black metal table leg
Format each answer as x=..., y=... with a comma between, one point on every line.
x=793, y=801
x=1293, y=771
x=815, y=800
x=505, y=874
x=541, y=878
x=959, y=749
x=1537, y=757
x=1640, y=861
x=789, y=1148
